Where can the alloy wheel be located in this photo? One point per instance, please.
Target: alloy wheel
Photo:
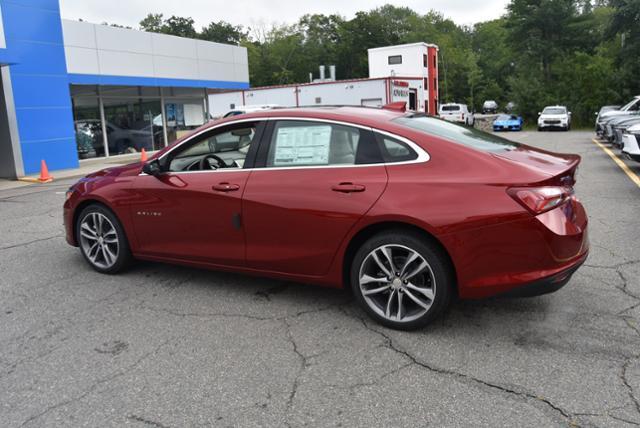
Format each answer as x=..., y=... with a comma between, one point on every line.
x=397, y=283
x=99, y=240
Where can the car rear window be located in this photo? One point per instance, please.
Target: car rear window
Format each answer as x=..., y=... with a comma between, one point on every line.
x=450, y=108
x=459, y=134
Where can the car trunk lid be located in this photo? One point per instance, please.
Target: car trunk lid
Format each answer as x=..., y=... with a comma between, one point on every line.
x=550, y=168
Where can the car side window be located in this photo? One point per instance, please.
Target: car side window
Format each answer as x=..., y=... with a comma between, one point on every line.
x=310, y=143
x=394, y=150
x=224, y=148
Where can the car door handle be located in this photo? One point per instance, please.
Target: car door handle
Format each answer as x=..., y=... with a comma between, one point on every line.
x=348, y=188
x=225, y=187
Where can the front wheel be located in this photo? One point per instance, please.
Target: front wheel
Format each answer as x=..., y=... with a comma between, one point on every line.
x=102, y=239
x=401, y=280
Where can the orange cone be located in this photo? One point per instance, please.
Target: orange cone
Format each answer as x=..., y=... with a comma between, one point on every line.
x=143, y=155
x=44, y=173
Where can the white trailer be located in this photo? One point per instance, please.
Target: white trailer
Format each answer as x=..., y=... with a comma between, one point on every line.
x=385, y=85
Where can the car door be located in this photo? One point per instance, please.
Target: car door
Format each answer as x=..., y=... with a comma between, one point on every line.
x=191, y=212
x=312, y=182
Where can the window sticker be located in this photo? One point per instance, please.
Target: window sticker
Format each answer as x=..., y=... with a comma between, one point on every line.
x=302, y=145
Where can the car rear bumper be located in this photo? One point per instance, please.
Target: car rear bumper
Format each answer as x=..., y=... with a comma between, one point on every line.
x=549, y=284
x=500, y=258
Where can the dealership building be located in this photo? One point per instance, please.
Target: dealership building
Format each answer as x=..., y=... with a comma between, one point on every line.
x=73, y=90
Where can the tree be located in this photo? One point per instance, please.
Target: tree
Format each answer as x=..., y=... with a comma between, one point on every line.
x=152, y=23
x=223, y=32
x=540, y=29
x=175, y=25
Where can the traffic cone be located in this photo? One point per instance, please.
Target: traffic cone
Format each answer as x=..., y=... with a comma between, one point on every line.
x=44, y=173
x=143, y=155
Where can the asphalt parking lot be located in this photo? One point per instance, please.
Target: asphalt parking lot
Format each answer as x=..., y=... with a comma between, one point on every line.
x=166, y=346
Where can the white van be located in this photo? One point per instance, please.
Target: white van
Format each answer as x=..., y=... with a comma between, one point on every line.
x=458, y=113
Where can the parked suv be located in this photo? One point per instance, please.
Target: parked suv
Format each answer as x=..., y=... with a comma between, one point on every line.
x=631, y=142
x=490, y=106
x=458, y=113
x=629, y=108
x=558, y=117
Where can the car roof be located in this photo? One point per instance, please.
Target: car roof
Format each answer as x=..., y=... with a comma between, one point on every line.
x=367, y=116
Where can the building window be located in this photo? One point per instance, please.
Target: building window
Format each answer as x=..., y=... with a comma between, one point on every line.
x=425, y=60
x=133, y=117
x=395, y=59
x=184, y=110
x=133, y=124
x=87, y=126
x=435, y=61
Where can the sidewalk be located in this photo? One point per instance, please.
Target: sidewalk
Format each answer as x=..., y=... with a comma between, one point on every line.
x=87, y=166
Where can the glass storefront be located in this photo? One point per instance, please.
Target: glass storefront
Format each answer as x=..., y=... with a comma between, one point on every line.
x=133, y=124
x=133, y=117
x=87, y=124
x=184, y=109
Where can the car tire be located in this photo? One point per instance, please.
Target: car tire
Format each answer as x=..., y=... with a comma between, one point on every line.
x=422, y=294
x=539, y=129
x=102, y=240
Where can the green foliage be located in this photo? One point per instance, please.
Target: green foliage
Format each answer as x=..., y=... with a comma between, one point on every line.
x=175, y=25
x=581, y=53
x=223, y=32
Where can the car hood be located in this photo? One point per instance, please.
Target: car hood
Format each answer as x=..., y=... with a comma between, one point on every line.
x=613, y=113
x=545, y=164
x=117, y=171
x=554, y=116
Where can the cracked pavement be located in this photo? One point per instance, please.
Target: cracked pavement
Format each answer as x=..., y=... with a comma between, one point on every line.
x=166, y=346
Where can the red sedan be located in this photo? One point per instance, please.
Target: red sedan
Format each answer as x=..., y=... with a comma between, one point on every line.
x=406, y=209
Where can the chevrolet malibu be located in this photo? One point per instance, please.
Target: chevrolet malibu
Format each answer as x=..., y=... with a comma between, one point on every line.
x=407, y=210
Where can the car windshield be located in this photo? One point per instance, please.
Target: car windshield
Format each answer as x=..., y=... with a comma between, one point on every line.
x=506, y=117
x=631, y=104
x=554, y=110
x=457, y=133
x=450, y=108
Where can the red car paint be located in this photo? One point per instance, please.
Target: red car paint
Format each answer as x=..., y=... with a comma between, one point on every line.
x=293, y=226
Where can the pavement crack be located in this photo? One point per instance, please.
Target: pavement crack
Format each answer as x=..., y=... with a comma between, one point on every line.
x=615, y=267
x=303, y=363
x=94, y=386
x=625, y=285
x=627, y=384
x=24, y=244
x=567, y=416
x=266, y=294
x=146, y=421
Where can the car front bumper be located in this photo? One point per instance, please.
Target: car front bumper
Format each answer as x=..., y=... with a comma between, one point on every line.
x=499, y=128
x=559, y=125
x=631, y=146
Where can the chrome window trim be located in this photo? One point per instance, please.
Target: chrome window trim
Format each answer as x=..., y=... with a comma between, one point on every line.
x=423, y=156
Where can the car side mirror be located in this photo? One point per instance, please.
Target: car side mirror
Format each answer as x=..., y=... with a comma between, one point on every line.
x=539, y=113
x=152, y=168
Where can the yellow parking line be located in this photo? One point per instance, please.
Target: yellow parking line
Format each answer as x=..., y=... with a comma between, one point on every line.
x=632, y=175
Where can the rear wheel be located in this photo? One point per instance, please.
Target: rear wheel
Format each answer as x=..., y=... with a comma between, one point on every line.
x=401, y=280
x=102, y=239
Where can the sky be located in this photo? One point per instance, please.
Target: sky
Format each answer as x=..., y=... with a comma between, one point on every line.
x=264, y=13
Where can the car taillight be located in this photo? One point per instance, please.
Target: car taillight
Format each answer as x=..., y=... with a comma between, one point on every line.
x=541, y=199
